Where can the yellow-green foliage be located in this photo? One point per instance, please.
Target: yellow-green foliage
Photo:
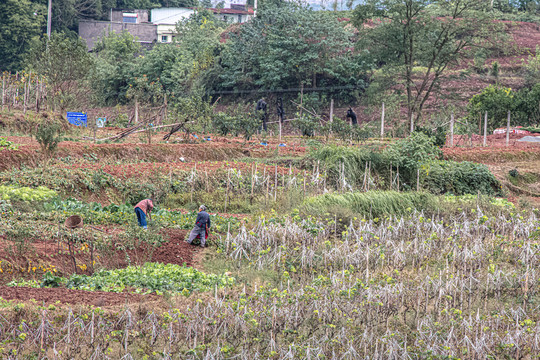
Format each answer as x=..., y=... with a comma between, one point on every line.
x=25, y=193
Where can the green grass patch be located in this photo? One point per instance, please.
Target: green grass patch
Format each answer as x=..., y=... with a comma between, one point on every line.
x=369, y=204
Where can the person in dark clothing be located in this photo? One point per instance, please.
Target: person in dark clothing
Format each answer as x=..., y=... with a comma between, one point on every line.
x=202, y=224
x=261, y=106
x=352, y=115
x=279, y=109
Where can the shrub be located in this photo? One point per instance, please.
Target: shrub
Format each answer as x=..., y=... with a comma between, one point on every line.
x=532, y=68
x=239, y=123
x=307, y=124
x=223, y=123
x=409, y=153
x=48, y=135
x=438, y=134
x=459, y=178
x=496, y=100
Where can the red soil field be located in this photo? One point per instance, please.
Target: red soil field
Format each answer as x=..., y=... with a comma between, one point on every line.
x=495, y=152
x=69, y=296
x=44, y=253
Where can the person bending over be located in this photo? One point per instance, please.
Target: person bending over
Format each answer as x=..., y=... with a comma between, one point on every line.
x=143, y=209
x=202, y=224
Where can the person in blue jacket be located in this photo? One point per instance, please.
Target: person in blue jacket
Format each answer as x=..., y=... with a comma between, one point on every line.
x=202, y=224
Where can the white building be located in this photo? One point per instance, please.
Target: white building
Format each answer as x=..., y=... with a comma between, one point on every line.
x=166, y=19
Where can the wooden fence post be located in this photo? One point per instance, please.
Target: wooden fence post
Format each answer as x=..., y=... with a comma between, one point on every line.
x=304, y=183
x=412, y=122
x=275, y=186
x=382, y=121
x=485, y=128
x=452, y=129
x=508, y=129
x=165, y=109
x=25, y=85
x=136, y=110
x=227, y=193
x=37, y=93
x=301, y=98
x=331, y=110
x=3, y=89
x=267, y=186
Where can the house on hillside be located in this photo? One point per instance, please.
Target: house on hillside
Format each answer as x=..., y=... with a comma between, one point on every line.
x=166, y=19
x=237, y=13
x=160, y=27
x=133, y=21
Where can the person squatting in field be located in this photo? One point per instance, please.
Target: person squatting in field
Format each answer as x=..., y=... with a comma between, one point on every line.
x=202, y=224
x=142, y=209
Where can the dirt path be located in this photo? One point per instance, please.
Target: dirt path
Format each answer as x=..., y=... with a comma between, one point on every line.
x=69, y=296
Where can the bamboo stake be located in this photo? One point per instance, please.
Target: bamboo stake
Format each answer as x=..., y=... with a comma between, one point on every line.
x=42, y=328
x=331, y=110
x=290, y=177
x=37, y=94
x=391, y=178
x=452, y=129
x=304, y=183
x=267, y=187
x=508, y=129
x=275, y=186
x=252, y=181
x=301, y=98
x=3, y=90
x=382, y=121
x=227, y=193
x=136, y=110
x=25, y=85
x=92, y=329
x=485, y=128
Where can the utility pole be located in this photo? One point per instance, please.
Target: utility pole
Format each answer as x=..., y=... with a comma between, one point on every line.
x=49, y=19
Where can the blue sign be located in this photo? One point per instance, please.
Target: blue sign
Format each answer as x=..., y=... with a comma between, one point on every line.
x=77, y=118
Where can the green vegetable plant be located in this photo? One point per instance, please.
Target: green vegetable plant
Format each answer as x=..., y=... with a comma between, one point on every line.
x=27, y=194
x=5, y=144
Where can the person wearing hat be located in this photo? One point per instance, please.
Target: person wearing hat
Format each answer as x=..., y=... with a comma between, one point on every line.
x=143, y=209
x=202, y=224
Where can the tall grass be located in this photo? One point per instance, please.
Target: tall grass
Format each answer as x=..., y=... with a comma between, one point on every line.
x=347, y=161
x=369, y=204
